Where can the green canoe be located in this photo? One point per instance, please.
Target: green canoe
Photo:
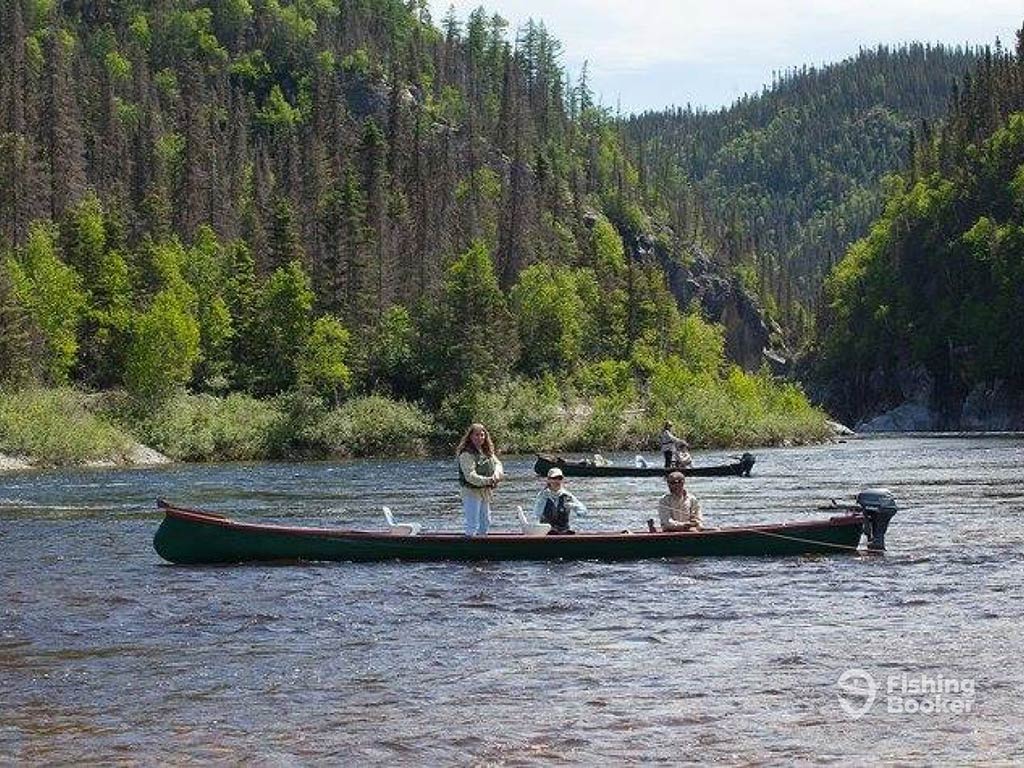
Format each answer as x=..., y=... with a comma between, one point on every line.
x=193, y=536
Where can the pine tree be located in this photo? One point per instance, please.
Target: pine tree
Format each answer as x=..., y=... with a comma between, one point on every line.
x=377, y=224
x=62, y=126
x=19, y=182
x=469, y=333
x=240, y=295
x=282, y=317
x=283, y=244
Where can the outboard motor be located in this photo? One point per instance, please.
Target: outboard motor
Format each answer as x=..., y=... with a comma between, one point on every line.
x=878, y=507
x=746, y=464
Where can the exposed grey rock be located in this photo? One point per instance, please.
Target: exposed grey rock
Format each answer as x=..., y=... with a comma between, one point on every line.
x=140, y=454
x=909, y=417
x=916, y=384
x=137, y=455
x=840, y=430
x=746, y=333
x=778, y=363
x=410, y=96
x=11, y=463
x=722, y=300
x=366, y=98
x=992, y=407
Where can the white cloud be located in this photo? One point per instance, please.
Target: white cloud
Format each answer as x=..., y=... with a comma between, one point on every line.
x=702, y=46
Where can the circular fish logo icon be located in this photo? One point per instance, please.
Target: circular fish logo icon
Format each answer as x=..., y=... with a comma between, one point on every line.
x=857, y=690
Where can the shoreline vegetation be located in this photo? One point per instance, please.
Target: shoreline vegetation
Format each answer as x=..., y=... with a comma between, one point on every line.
x=294, y=236
x=576, y=359
x=240, y=231
x=57, y=427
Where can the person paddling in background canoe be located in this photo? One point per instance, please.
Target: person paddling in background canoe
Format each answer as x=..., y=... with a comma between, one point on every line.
x=679, y=509
x=480, y=471
x=554, y=503
x=675, y=449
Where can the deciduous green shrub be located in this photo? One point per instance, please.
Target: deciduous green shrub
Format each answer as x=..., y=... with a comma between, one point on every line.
x=207, y=428
x=375, y=426
x=57, y=427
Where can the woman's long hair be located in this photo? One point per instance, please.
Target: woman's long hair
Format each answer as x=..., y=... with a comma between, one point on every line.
x=465, y=444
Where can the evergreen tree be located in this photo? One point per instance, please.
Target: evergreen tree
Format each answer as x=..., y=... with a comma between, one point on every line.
x=283, y=242
x=468, y=336
x=206, y=272
x=240, y=294
x=282, y=317
x=550, y=317
x=201, y=150
x=61, y=125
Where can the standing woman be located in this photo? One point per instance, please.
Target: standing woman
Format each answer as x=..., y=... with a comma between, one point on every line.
x=671, y=446
x=480, y=471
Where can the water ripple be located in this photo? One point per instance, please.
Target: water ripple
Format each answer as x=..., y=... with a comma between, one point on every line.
x=109, y=657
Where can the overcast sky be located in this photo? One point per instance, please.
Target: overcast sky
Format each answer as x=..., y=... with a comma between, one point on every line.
x=649, y=54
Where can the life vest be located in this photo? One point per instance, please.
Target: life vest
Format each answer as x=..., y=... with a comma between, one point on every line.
x=555, y=514
x=483, y=466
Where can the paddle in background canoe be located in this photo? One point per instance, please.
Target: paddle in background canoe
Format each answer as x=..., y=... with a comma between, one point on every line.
x=584, y=468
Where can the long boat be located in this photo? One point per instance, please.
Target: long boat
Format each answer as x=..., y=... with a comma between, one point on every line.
x=586, y=468
x=198, y=537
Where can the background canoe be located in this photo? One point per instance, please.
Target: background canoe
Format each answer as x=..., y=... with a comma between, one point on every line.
x=739, y=468
x=191, y=536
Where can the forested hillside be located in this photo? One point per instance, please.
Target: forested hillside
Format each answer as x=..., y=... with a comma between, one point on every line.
x=350, y=150
x=928, y=307
x=326, y=201
x=782, y=182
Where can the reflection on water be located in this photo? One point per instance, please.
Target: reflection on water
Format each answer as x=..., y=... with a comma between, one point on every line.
x=108, y=655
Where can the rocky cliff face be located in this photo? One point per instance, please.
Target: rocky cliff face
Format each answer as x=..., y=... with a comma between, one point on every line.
x=909, y=398
x=722, y=299
x=988, y=407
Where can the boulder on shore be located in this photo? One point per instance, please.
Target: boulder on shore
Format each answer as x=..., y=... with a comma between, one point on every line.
x=839, y=430
x=909, y=417
x=137, y=455
x=992, y=407
x=143, y=455
x=11, y=463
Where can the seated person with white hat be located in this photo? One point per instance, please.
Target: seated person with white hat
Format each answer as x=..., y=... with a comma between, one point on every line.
x=554, y=503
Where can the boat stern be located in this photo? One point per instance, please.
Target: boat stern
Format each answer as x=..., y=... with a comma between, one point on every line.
x=878, y=506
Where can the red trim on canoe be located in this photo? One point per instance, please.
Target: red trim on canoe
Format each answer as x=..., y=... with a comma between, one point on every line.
x=214, y=518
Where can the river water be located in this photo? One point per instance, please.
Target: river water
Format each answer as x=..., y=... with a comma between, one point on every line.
x=109, y=656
